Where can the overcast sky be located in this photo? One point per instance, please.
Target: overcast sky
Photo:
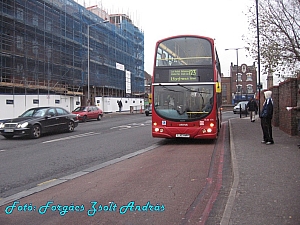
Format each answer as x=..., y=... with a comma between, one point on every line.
x=223, y=20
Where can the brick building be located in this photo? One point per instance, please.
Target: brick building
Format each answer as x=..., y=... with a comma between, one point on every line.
x=226, y=90
x=241, y=85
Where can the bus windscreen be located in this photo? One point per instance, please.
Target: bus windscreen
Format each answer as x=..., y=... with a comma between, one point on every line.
x=183, y=102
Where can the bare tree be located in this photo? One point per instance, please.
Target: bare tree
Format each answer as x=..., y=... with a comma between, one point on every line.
x=279, y=26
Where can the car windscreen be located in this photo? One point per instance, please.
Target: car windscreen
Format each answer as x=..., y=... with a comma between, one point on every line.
x=79, y=109
x=35, y=112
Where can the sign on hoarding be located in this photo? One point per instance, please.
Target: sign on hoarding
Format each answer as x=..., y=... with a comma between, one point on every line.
x=128, y=82
x=120, y=66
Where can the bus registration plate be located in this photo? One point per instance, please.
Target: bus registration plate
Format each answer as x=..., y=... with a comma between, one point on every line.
x=183, y=135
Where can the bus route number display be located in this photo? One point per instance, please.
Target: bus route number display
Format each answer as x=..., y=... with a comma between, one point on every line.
x=183, y=75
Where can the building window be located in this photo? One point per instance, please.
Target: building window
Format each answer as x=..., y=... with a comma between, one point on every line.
x=35, y=47
x=238, y=88
x=19, y=68
x=239, y=77
x=244, y=68
x=224, y=90
x=20, y=42
x=48, y=26
x=35, y=20
x=20, y=14
x=250, y=88
x=48, y=51
x=249, y=76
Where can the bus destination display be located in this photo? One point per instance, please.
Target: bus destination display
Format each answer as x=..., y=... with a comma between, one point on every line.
x=183, y=75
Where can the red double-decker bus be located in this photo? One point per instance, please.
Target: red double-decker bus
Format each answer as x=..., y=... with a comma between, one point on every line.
x=186, y=88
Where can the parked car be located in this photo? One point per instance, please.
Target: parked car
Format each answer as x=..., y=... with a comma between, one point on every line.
x=242, y=105
x=36, y=121
x=148, y=110
x=85, y=113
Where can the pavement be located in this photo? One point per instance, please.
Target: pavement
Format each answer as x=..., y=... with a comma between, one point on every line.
x=266, y=183
x=265, y=187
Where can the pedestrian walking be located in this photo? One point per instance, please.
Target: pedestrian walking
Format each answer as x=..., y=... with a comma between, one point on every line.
x=266, y=118
x=120, y=104
x=252, y=107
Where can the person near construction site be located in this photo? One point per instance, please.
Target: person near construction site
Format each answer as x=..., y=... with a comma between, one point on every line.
x=266, y=118
x=120, y=104
x=252, y=107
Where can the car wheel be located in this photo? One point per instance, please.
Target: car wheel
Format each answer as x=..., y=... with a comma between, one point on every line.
x=8, y=136
x=99, y=117
x=147, y=113
x=36, y=131
x=84, y=119
x=71, y=126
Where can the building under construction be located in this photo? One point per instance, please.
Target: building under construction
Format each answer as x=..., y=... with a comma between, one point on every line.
x=59, y=47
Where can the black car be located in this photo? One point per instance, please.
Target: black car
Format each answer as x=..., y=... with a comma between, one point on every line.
x=37, y=121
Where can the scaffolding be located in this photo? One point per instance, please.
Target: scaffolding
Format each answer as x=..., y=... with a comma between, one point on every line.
x=44, y=49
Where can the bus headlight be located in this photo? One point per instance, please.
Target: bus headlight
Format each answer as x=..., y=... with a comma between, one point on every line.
x=211, y=124
x=156, y=129
x=209, y=130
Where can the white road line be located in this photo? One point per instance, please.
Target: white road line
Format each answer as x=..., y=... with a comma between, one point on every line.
x=131, y=125
x=121, y=127
x=71, y=137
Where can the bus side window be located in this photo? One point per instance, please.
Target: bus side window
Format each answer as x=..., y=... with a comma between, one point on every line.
x=162, y=60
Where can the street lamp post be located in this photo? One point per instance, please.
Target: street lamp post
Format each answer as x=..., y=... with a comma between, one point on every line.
x=258, y=57
x=88, y=43
x=237, y=66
